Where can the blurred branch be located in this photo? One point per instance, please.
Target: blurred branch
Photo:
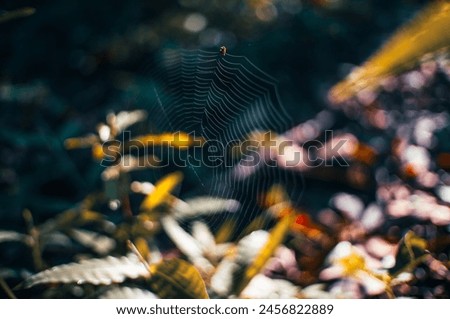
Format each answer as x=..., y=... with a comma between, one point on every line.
x=7, y=290
x=34, y=233
x=15, y=14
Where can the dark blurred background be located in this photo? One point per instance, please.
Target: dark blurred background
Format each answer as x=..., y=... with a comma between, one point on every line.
x=66, y=65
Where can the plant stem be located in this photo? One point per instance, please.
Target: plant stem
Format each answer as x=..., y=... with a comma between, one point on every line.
x=34, y=233
x=134, y=249
x=7, y=290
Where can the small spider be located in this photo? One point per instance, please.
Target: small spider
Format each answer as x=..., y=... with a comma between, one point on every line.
x=223, y=50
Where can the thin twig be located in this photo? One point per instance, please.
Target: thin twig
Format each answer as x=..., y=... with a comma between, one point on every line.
x=126, y=206
x=34, y=233
x=134, y=249
x=7, y=290
x=124, y=197
x=409, y=267
x=389, y=292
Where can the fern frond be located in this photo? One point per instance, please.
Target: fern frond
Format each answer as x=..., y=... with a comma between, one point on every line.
x=205, y=205
x=97, y=242
x=92, y=271
x=187, y=244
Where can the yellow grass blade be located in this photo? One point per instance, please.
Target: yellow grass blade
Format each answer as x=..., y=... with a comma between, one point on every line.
x=225, y=232
x=427, y=33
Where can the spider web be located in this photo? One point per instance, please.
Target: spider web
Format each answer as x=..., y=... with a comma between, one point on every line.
x=222, y=99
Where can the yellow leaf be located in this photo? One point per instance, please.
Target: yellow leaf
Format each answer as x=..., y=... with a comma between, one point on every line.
x=275, y=195
x=225, y=231
x=80, y=142
x=176, y=140
x=257, y=223
x=162, y=191
x=97, y=151
x=177, y=279
x=427, y=33
x=87, y=216
x=276, y=237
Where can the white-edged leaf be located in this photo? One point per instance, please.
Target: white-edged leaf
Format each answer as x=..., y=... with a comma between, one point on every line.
x=220, y=250
x=101, y=244
x=372, y=217
x=14, y=273
x=317, y=291
x=128, y=163
x=231, y=268
x=201, y=232
x=91, y=271
x=205, y=205
x=350, y=205
x=155, y=253
x=187, y=244
x=262, y=287
x=104, y=131
x=55, y=239
x=124, y=119
x=249, y=246
x=8, y=235
x=127, y=293
x=222, y=280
